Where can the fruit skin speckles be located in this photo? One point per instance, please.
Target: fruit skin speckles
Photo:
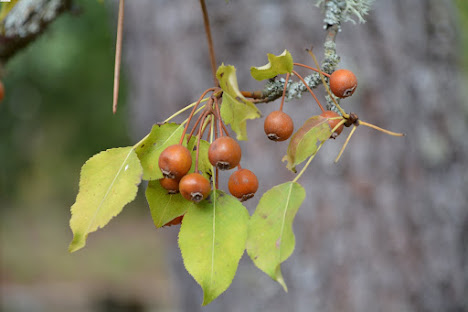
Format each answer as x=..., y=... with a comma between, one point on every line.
x=243, y=184
x=224, y=153
x=278, y=126
x=175, y=161
x=194, y=187
x=343, y=83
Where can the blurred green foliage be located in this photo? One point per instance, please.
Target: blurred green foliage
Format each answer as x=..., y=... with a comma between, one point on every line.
x=57, y=113
x=57, y=109
x=462, y=10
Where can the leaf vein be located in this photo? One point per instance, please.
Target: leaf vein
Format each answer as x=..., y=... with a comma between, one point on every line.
x=164, y=211
x=107, y=192
x=213, y=242
x=283, y=221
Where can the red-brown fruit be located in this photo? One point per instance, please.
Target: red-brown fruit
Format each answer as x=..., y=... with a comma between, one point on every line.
x=333, y=122
x=194, y=187
x=2, y=91
x=343, y=83
x=171, y=185
x=175, y=221
x=224, y=153
x=175, y=161
x=243, y=184
x=278, y=126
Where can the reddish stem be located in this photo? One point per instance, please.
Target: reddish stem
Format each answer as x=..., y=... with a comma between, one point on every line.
x=221, y=120
x=200, y=133
x=216, y=127
x=216, y=104
x=194, y=127
x=308, y=88
x=312, y=68
x=193, y=111
x=284, y=91
x=206, y=21
x=209, y=129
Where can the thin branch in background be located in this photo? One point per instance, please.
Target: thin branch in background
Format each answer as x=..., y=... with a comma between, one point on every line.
x=210, y=41
x=284, y=91
x=118, y=55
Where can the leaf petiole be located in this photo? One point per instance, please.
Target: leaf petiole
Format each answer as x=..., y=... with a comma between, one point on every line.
x=184, y=109
x=179, y=112
x=308, y=162
x=346, y=143
x=311, y=68
x=310, y=90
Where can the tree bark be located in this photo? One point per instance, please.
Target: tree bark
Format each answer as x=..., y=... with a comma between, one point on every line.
x=27, y=20
x=386, y=228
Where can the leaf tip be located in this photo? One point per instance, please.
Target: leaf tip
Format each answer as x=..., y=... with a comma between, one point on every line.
x=279, y=278
x=207, y=299
x=282, y=283
x=78, y=242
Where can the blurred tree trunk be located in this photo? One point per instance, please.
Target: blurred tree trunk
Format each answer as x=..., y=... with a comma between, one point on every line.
x=385, y=229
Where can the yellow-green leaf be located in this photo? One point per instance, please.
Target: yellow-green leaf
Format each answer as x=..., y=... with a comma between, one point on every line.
x=204, y=165
x=235, y=108
x=305, y=142
x=270, y=236
x=108, y=181
x=277, y=65
x=149, y=149
x=165, y=207
x=212, y=240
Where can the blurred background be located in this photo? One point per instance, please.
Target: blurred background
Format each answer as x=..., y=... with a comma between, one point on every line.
x=386, y=229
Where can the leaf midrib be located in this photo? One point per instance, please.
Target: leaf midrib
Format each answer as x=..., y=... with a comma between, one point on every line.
x=107, y=192
x=164, y=211
x=213, y=242
x=283, y=221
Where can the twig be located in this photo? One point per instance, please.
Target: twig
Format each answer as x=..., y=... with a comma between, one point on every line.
x=118, y=55
x=210, y=41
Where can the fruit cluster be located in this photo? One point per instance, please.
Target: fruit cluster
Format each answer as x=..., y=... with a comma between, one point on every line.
x=224, y=153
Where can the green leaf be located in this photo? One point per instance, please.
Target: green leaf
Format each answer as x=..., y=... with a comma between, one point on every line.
x=204, y=164
x=235, y=108
x=165, y=207
x=306, y=140
x=277, y=65
x=212, y=240
x=149, y=149
x=108, y=181
x=270, y=237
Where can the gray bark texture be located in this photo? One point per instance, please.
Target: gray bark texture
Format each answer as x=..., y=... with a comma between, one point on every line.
x=386, y=228
x=27, y=20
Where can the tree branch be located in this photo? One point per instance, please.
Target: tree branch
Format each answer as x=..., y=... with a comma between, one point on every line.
x=26, y=20
x=335, y=12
